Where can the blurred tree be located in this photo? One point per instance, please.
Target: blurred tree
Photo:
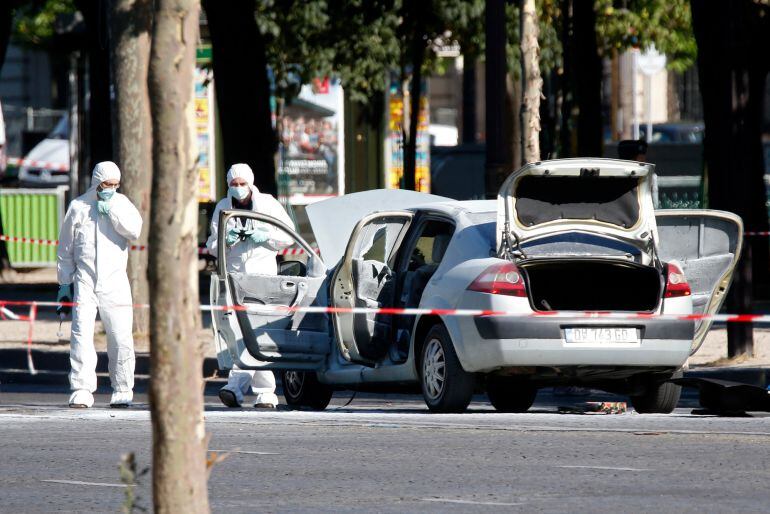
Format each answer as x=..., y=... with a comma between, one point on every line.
x=732, y=67
x=591, y=32
x=533, y=83
x=242, y=88
x=130, y=34
x=179, y=467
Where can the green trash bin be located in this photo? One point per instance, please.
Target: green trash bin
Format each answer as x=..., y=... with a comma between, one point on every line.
x=33, y=214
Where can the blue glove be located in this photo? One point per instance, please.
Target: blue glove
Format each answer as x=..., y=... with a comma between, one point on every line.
x=258, y=235
x=103, y=206
x=64, y=295
x=233, y=235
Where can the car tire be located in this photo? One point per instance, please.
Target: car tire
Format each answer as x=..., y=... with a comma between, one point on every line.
x=507, y=394
x=446, y=386
x=659, y=398
x=303, y=390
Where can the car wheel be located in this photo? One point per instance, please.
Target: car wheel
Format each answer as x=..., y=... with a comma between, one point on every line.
x=446, y=386
x=659, y=398
x=303, y=390
x=510, y=395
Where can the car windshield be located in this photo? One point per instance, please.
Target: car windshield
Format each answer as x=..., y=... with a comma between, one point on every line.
x=61, y=130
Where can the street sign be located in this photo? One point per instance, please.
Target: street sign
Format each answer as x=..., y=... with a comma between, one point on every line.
x=651, y=61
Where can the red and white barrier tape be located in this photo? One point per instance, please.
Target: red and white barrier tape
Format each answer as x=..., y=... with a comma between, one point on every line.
x=279, y=309
x=276, y=309
x=55, y=166
x=133, y=248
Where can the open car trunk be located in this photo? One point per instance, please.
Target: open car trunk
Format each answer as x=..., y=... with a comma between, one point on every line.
x=608, y=198
x=591, y=285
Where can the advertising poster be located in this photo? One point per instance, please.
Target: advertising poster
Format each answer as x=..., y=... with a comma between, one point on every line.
x=394, y=143
x=311, y=151
x=204, y=133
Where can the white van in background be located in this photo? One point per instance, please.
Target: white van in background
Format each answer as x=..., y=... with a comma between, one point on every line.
x=47, y=164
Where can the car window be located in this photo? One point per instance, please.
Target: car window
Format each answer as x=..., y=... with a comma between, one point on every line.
x=431, y=244
x=376, y=240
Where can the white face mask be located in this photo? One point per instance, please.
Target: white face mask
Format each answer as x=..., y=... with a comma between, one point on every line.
x=240, y=192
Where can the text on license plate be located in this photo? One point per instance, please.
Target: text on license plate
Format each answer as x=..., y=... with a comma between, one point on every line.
x=601, y=335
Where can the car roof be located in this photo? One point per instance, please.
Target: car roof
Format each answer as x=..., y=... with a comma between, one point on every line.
x=455, y=207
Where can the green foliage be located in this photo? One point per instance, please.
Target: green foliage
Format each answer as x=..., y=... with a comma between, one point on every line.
x=642, y=23
x=34, y=23
x=353, y=40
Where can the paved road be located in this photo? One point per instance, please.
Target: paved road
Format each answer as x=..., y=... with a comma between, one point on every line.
x=387, y=454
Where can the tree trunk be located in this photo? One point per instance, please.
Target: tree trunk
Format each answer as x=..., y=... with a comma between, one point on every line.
x=587, y=77
x=130, y=27
x=469, y=101
x=176, y=385
x=242, y=89
x=566, y=89
x=415, y=93
x=496, y=135
x=533, y=83
x=512, y=125
x=732, y=81
x=99, y=125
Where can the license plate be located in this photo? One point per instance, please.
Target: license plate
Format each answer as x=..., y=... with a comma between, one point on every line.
x=601, y=335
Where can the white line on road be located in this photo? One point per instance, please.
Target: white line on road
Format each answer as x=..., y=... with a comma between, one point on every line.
x=608, y=468
x=469, y=502
x=78, y=482
x=244, y=451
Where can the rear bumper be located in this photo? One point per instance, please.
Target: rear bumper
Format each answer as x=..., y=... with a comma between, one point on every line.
x=495, y=342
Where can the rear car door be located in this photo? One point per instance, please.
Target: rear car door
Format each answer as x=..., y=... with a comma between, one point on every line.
x=255, y=323
x=707, y=243
x=366, y=278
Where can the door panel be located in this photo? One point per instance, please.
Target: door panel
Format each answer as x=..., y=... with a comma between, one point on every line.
x=365, y=279
x=707, y=243
x=255, y=335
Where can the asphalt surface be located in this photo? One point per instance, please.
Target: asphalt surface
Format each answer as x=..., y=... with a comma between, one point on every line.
x=388, y=454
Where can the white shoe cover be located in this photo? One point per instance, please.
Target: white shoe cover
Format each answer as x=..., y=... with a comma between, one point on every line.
x=81, y=399
x=121, y=399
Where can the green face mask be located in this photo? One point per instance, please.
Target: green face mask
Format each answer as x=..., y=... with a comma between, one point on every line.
x=106, y=194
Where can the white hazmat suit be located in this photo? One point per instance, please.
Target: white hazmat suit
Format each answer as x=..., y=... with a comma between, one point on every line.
x=92, y=255
x=250, y=258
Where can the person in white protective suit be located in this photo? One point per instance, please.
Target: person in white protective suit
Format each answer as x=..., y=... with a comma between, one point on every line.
x=92, y=258
x=251, y=248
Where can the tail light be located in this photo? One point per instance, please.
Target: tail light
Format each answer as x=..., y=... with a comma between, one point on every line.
x=676, y=282
x=503, y=278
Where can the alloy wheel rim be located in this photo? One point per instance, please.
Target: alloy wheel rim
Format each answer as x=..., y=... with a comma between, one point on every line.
x=294, y=381
x=434, y=369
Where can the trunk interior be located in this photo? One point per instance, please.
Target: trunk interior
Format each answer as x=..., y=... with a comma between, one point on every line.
x=591, y=285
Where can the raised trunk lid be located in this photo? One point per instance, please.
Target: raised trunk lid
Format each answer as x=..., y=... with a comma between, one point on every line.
x=602, y=196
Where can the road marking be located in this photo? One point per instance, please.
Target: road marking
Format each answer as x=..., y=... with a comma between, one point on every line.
x=78, y=482
x=224, y=452
x=607, y=468
x=469, y=502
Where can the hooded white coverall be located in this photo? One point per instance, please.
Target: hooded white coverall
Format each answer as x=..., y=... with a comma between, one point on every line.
x=92, y=255
x=246, y=257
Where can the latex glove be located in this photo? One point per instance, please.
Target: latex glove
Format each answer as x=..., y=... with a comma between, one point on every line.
x=64, y=295
x=103, y=206
x=259, y=235
x=233, y=235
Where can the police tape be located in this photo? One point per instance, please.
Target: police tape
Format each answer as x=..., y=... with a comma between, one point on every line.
x=133, y=248
x=416, y=311
x=277, y=310
x=44, y=165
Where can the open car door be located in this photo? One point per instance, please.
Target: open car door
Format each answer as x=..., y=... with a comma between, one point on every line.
x=707, y=244
x=249, y=331
x=365, y=278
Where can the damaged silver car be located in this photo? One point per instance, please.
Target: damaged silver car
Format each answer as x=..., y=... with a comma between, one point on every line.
x=577, y=237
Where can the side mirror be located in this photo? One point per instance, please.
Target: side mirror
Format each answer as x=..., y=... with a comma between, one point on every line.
x=292, y=269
